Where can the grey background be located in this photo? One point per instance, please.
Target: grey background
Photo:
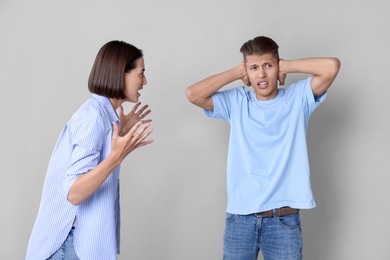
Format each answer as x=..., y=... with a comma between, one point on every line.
x=173, y=192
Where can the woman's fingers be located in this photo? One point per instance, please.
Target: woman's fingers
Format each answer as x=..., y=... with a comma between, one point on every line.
x=142, y=113
x=120, y=111
x=142, y=132
x=135, y=107
x=146, y=121
x=136, y=137
x=144, y=143
x=132, y=131
x=115, y=129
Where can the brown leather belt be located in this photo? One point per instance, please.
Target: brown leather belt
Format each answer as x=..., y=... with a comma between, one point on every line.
x=277, y=212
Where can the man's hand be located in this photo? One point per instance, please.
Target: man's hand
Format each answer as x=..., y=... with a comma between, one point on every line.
x=243, y=74
x=129, y=120
x=282, y=73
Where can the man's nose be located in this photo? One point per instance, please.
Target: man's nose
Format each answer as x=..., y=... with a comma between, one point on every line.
x=261, y=73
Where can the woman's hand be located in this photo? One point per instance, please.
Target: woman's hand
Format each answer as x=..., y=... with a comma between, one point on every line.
x=87, y=184
x=129, y=120
x=135, y=138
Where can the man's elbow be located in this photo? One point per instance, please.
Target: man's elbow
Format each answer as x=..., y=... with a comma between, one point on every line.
x=191, y=95
x=198, y=99
x=334, y=66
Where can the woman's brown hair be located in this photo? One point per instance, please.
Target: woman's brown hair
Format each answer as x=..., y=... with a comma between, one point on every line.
x=114, y=59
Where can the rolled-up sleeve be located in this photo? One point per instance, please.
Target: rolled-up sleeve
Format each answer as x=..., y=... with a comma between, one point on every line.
x=87, y=137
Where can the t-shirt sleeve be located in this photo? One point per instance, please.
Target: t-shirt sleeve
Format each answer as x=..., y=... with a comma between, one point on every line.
x=87, y=139
x=312, y=102
x=301, y=94
x=223, y=101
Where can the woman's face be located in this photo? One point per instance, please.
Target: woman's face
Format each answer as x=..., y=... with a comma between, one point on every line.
x=135, y=80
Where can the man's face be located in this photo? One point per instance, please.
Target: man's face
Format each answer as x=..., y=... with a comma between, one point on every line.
x=263, y=71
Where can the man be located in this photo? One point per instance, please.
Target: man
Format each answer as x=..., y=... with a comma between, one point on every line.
x=268, y=176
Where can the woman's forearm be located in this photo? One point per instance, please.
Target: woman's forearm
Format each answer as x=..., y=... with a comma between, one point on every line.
x=87, y=184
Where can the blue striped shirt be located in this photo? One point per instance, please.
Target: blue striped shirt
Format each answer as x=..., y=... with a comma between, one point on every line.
x=83, y=144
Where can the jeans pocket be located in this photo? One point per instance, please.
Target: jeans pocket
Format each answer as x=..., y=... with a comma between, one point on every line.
x=291, y=221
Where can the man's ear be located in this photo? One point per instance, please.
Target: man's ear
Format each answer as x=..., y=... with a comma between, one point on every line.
x=246, y=81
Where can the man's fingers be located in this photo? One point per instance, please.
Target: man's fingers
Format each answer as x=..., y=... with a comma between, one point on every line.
x=246, y=81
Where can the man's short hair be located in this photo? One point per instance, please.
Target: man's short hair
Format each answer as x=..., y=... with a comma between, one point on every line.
x=114, y=59
x=259, y=46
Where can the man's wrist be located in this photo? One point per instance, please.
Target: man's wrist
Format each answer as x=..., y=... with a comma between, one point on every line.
x=283, y=65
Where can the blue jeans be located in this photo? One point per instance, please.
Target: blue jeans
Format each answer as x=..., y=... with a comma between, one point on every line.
x=66, y=251
x=277, y=237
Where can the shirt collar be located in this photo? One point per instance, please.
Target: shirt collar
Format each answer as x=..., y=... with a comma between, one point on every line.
x=105, y=102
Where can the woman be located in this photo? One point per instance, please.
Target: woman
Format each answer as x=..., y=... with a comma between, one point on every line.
x=78, y=216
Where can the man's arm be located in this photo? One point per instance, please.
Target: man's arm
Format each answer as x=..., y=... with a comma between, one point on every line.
x=324, y=71
x=200, y=93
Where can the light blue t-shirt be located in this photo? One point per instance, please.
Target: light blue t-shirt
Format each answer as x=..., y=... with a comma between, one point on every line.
x=268, y=164
x=84, y=143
